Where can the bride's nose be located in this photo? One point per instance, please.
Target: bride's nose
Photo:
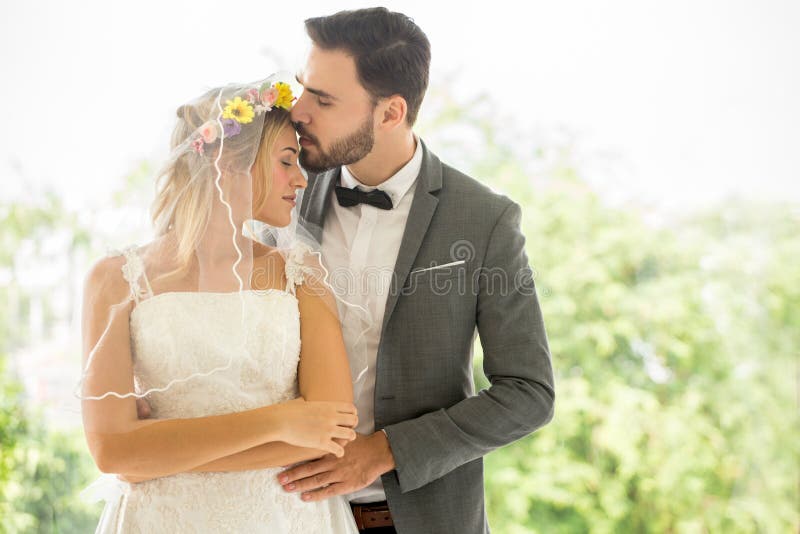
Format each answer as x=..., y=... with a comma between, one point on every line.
x=299, y=181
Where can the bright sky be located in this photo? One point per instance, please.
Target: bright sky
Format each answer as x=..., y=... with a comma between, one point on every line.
x=696, y=99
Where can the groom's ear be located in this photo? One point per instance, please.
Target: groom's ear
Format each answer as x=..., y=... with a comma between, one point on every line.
x=394, y=109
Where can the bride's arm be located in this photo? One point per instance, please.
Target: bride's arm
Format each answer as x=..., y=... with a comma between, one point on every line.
x=323, y=375
x=324, y=372
x=275, y=454
x=121, y=443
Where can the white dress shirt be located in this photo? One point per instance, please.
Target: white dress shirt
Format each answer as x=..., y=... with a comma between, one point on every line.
x=360, y=246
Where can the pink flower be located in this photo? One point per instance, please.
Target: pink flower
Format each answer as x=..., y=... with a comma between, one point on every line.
x=197, y=146
x=269, y=96
x=251, y=95
x=209, y=132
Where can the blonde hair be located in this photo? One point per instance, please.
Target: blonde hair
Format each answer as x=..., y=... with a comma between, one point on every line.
x=185, y=188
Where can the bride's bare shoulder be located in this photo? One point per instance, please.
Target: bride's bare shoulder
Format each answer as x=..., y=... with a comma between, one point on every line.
x=105, y=280
x=268, y=268
x=268, y=256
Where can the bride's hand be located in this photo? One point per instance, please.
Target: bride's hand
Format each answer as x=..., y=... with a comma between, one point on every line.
x=317, y=424
x=143, y=410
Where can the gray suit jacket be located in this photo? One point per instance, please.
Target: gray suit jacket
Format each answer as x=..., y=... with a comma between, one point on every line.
x=439, y=429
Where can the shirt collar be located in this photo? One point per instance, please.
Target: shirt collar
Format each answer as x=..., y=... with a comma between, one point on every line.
x=398, y=185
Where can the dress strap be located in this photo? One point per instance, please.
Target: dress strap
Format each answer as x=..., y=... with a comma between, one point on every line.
x=298, y=264
x=133, y=272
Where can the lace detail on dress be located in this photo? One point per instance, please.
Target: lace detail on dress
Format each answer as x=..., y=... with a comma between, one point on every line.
x=298, y=262
x=133, y=272
x=178, y=335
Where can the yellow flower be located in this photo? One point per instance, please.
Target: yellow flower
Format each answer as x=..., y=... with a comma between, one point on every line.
x=285, y=97
x=239, y=110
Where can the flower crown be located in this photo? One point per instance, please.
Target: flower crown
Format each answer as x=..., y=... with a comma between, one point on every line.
x=241, y=110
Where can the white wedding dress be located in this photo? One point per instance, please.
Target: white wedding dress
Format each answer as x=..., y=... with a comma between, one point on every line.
x=200, y=325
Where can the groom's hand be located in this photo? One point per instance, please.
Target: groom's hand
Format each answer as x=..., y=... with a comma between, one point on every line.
x=365, y=459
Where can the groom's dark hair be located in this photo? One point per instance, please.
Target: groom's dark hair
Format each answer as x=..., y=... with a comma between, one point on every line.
x=391, y=53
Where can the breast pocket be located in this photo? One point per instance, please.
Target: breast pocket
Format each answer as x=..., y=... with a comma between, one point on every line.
x=437, y=281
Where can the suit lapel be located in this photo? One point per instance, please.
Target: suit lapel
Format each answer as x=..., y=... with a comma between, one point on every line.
x=316, y=202
x=423, y=207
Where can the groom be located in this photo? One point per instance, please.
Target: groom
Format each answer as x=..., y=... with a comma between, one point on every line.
x=449, y=258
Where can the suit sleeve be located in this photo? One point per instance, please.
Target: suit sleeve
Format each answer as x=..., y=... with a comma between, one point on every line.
x=516, y=362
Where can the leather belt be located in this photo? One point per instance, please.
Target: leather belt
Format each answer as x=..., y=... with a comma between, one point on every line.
x=373, y=514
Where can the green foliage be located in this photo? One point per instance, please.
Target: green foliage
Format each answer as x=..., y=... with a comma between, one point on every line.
x=676, y=353
x=41, y=471
x=13, y=426
x=48, y=469
x=675, y=345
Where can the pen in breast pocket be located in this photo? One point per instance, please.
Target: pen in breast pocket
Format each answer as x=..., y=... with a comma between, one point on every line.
x=451, y=264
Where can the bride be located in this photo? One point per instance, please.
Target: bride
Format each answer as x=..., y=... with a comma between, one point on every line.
x=205, y=323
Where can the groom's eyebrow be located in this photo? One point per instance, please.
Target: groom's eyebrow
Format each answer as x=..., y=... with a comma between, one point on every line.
x=318, y=92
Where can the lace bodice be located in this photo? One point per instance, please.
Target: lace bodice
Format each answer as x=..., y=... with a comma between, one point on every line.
x=214, y=353
x=257, y=369
x=254, y=362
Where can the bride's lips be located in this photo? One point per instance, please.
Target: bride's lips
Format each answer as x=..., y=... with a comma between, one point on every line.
x=291, y=199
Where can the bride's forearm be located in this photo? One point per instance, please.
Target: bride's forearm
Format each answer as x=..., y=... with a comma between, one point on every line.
x=157, y=448
x=275, y=454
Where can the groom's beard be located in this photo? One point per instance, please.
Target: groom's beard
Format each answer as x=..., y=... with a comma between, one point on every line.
x=345, y=151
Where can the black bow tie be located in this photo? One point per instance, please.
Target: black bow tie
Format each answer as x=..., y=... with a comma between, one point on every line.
x=352, y=197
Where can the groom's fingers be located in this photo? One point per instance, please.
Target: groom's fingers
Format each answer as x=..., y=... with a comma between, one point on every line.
x=320, y=480
x=321, y=494
x=306, y=470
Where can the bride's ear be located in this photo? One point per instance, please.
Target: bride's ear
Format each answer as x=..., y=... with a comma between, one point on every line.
x=394, y=111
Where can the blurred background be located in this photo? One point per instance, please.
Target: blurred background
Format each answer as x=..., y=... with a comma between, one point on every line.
x=653, y=146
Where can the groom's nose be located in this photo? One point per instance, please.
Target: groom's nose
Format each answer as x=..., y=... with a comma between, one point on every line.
x=299, y=112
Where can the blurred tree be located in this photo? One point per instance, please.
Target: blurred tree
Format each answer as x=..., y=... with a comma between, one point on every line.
x=675, y=347
x=41, y=471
